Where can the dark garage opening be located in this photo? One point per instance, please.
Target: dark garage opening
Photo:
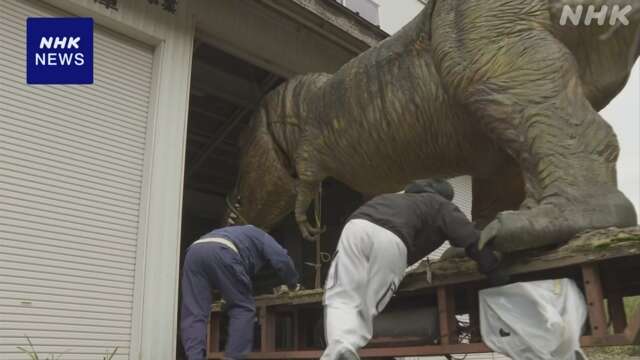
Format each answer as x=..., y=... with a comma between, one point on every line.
x=225, y=91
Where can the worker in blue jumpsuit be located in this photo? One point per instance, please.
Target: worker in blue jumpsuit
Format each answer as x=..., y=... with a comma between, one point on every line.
x=226, y=259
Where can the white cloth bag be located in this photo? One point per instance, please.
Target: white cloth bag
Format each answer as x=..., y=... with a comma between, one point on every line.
x=540, y=320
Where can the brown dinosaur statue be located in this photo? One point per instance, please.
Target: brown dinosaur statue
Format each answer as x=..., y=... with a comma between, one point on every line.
x=496, y=89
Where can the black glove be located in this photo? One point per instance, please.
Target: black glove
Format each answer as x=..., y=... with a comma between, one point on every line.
x=489, y=264
x=498, y=277
x=487, y=259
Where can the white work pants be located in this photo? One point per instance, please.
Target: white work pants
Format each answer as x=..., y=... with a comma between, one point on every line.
x=366, y=271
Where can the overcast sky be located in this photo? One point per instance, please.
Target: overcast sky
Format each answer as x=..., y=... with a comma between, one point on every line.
x=623, y=113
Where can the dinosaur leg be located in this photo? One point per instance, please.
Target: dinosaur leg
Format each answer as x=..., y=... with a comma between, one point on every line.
x=309, y=181
x=307, y=191
x=531, y=100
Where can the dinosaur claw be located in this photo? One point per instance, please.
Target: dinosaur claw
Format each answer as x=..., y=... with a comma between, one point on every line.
x=489, y=233
x=309, y=232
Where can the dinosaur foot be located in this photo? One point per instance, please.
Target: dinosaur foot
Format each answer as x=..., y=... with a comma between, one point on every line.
x=555, y=223
x=310, y=232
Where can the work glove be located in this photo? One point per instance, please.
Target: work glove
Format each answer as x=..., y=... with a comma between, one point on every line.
x=280, y=290
x=284, y=289
x=487, y=259
x=489, y=264
x=498, y=277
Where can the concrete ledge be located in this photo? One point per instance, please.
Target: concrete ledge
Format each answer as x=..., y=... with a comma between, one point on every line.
x=331, y=20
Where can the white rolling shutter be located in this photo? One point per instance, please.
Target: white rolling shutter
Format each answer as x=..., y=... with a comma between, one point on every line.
x=71, y=166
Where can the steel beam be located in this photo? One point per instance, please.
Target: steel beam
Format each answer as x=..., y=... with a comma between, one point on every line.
x=237, y=117
x=223, y=85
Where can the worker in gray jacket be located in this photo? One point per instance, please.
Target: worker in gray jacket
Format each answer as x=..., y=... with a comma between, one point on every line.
x=378, y=241
x=225, y=260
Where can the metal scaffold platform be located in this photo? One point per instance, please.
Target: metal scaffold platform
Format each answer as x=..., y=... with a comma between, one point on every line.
x=604, y=263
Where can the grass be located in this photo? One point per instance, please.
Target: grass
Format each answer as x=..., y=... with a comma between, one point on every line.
x=617, y=352
x=33, y=354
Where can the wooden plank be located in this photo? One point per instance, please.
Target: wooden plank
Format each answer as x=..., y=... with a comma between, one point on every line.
x=591, y=247
x=375, y=352
x=447, y=316
x=474, y=314
x=595, y=299
x=423, y=350
x=615, y=298
x=632, y=332
x=267, y=330
x=298, y=336
x=213, y=335
x=615, y=305
x=295, y=298
x=606, y=340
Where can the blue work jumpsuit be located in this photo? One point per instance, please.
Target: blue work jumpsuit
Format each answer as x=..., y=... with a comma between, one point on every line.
x=211, y=265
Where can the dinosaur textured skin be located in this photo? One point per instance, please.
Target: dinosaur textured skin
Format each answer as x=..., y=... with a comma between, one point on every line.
x=495, y=89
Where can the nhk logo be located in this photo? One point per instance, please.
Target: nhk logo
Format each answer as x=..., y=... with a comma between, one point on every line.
x=591, y=14
x=58, y=58
x=60, y=50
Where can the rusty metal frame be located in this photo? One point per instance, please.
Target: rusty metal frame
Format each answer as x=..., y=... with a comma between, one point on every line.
x=626, y=331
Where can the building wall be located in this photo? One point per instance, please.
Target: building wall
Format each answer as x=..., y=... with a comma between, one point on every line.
x=71, y=169
x=169, y=39
x=249, y=29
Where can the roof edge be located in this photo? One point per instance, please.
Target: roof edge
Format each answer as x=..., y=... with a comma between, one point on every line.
x=332, y=20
